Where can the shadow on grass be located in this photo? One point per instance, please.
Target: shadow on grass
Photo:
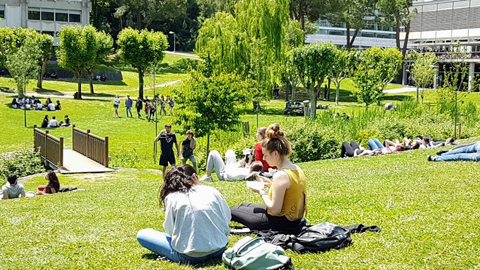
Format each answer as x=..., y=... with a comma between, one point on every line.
x=49, y=92
x=85, y=81
x=6, y=89
x=156, y=257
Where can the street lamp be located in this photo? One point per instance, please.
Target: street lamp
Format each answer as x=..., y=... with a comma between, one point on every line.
x=174, y=37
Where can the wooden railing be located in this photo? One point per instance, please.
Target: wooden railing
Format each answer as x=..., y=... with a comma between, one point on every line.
x=90, y=145
x=50, y=147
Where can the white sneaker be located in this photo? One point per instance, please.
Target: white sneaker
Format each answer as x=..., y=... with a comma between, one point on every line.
x=206, y=178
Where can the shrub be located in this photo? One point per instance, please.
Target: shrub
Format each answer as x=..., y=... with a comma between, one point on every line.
x=186, y=64
x=313, y=142
x=22, y=163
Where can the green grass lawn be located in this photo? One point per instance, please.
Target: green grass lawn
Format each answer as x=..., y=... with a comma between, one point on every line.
x=428, y=213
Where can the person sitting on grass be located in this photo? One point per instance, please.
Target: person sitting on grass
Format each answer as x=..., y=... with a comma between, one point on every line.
x=286, y=201
x=66, y=123
x=467, y=152
x=45, y=122
x=196, y=220
x=53, y=185
x=230, y=170
x=12, y=189
x=53, y=123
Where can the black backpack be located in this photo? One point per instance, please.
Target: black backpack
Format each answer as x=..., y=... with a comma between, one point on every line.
x=317, y=238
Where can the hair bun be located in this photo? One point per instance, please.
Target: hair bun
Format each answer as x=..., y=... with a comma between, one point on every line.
x=273, y=132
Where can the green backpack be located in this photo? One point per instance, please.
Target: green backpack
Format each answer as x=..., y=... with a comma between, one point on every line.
x=254, y=254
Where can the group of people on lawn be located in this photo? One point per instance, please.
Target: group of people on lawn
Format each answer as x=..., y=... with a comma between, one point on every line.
x=149, y=109
x=34, y=103
x=197, y=217
x=12, y=189
x=53, y=123
x=352, y=149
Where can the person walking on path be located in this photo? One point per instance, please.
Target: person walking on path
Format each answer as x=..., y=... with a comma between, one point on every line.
x=167, y=138
x=116, y=104
x=128, y=105
x=139, y=107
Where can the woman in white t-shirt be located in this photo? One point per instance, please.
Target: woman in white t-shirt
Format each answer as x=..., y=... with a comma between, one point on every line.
x=196, y=220
x=116, y=104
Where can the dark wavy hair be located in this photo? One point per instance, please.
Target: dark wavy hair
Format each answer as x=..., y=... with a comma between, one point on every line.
x=52, y=177
x=177, y=179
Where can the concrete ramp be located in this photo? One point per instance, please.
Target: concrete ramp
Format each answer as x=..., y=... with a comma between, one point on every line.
x=74, y=162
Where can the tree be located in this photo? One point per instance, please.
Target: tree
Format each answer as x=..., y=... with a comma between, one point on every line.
x=249, y=42
x=295, y=38
x=374, y=70
x=22, y=64
x=141, y=49
x=104, y=45
x=343, y=67
x=312, y=64
x=398, y=13
x=143, y=13
x=423, y=71
x=352, y=13
x=77, y=51
x=211, y=103
x=308, y=9
x=45, y=42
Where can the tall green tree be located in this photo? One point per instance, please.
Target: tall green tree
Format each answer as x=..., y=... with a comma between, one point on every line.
x=206, y=104
x=399, y=14
x=423, y=71
x=140, y=49
x=249, y=42
x=77, y=51
x=104, y=45
x=22, y=63
x=343, y=68
x=45, y=42
x=312, y=64
x=374, y=70
x=308, y=10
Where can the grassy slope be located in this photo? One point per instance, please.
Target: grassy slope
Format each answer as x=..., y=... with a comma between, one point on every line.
x=427, y=211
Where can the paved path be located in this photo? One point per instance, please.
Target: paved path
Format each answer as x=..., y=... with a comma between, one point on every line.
x=405, y=89
x=70, y=94
x=183, y=54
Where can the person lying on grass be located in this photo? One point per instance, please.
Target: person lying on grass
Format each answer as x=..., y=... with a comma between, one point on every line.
x=286, y=201
x=466, y=152
x=12, y=189
x=53, y=185
x=230, y=170
x=196, y=220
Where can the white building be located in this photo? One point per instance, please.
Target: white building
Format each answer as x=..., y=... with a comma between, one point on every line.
x=45, y=16
x=373, y=34
x=442, y=24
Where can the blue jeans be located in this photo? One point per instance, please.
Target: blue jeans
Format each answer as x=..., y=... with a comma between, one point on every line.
x=129, y=111
x=161, y=244
x=375, y=144
x=192, y=159
x=469, y=152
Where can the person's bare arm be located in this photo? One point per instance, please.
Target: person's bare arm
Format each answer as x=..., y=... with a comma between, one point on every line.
x=5, y=195
x=52, y=190
x=176, y=145
x=23, y=194
x=281, y=183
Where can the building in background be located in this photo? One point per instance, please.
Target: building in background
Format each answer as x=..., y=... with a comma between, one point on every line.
x=440, y=25
x=45, y=16
x=373, y=35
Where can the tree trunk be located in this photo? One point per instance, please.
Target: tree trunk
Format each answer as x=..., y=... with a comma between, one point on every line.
x=139, y=21
x=140, y=83
x=338, y=92
x=301, y=14
x=90, y=80
x=313, y=103
x=405, y=42
x=40, y=75
x=349, y=46
x=328, y=89
x=397, y=32
x=418, y=90
x=354, y=36
x=79, y=85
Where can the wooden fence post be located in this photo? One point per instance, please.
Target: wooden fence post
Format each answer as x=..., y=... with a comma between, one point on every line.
x=87, y=144
x=46, y=148
x=106, y=152
x=60, y=154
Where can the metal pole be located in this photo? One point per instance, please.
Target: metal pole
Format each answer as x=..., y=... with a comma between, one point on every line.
x=455, y=125
x=25, y=115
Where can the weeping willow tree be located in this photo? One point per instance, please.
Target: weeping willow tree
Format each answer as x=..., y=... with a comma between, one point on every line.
x=248, y=42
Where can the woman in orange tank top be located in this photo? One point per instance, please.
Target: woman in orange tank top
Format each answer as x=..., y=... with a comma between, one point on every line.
x=285, y=203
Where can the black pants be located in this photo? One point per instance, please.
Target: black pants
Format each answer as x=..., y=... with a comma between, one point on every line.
x=348, y=149
x=256, y=218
